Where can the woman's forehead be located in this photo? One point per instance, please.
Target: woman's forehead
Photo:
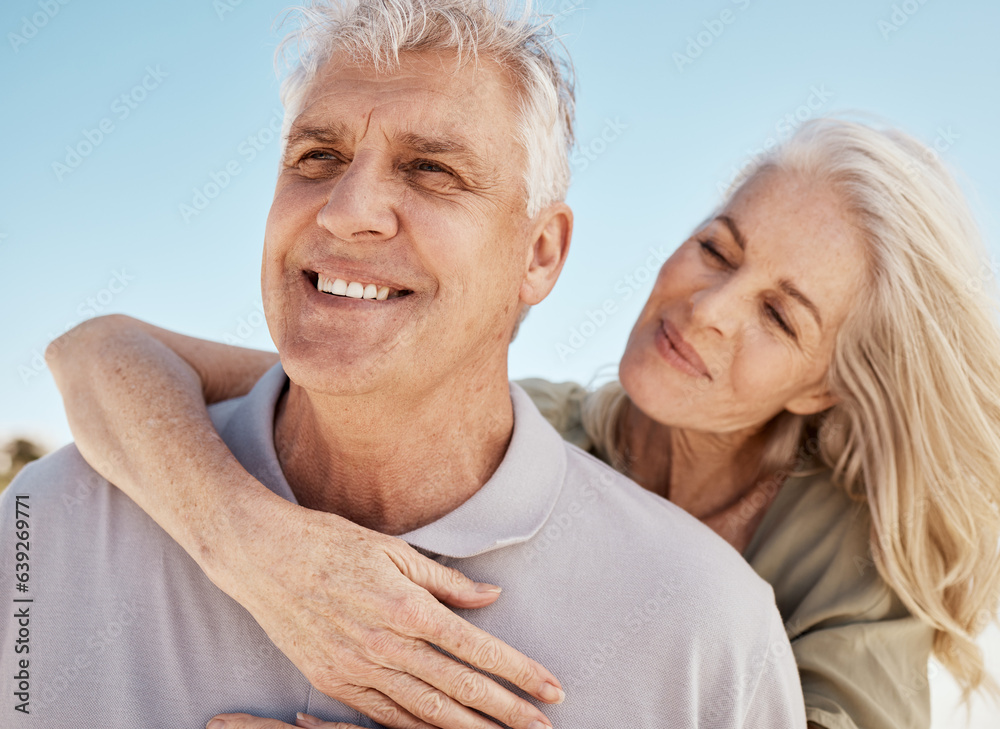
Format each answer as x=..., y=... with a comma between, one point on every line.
x=799, y=230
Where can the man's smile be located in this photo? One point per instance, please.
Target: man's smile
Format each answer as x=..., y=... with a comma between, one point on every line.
x=356, y=289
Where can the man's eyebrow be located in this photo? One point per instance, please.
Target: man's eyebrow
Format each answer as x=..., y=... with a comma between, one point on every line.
x=741, y=241
x=431, y=145
x=336, y=133
x=789, y=288
x=332, y=134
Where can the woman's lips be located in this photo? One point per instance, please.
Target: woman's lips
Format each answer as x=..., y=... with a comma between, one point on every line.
x=678, y=352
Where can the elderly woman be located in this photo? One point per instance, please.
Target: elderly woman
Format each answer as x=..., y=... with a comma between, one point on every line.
x=814, y=376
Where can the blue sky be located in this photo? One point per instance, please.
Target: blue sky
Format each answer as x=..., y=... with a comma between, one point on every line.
x=126, y=113
x=117, y=114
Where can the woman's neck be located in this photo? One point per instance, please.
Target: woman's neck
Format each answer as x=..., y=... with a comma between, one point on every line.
x=703, y=473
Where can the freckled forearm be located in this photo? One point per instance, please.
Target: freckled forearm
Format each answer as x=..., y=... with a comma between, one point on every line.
x=137, y=412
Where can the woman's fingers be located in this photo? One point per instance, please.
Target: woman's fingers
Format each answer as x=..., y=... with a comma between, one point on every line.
x=430, y=704
x=446, y=584
x=376, y=705
x=311, y=722
x=245, y=721
x=435, y=624
x=354, y=612
x=468, y=687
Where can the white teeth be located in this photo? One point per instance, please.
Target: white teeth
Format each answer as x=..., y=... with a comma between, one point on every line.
x=353, y=289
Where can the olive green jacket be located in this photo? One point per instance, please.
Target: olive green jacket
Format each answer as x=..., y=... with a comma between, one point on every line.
x=862, y=656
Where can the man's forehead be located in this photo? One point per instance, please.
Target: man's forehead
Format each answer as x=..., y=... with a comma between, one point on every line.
x=428, y=95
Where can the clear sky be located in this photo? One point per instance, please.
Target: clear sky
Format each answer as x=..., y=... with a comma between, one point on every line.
x=119, y=114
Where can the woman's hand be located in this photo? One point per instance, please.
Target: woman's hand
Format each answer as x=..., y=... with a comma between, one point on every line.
x=358, y=613
x=245, y=721
x=353, y=609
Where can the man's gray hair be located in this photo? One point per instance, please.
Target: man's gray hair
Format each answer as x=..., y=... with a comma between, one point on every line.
x=509, y=32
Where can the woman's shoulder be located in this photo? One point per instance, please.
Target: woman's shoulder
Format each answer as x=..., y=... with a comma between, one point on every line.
x=814, y=547
x=561, y=403
x=861, y=653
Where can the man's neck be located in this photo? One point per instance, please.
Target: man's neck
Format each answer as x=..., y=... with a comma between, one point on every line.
x=394, y=461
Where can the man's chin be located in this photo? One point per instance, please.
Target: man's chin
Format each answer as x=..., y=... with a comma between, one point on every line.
x=339, y=367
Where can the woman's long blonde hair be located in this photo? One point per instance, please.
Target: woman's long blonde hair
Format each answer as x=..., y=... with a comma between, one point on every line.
x=916, y=431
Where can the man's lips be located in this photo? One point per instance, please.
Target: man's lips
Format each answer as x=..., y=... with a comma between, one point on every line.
x=679, y=353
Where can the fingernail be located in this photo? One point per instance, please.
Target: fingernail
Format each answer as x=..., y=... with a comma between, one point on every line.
x=551, y=693
x=538, y=725
x=216, y=724
x=483, y=587
x=307, y=719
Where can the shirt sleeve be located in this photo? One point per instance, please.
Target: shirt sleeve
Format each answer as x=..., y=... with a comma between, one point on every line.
x=777, y=698
x=861, y=655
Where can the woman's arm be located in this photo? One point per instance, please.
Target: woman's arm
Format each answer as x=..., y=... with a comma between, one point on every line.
x=353, y=609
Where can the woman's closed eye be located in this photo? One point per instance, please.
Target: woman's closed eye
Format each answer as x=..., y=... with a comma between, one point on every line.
x=710, y=249
x=775, y=316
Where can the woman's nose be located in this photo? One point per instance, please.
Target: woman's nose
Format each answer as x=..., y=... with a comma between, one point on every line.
x=720, y=308
x=360, y=205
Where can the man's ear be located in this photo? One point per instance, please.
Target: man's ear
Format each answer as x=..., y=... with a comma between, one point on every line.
x=815, y=401
x=550, y=236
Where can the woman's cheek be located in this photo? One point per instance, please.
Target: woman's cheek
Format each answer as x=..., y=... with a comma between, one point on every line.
x=762, y=373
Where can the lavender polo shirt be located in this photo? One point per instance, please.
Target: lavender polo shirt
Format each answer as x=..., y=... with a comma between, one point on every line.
x=648, y=617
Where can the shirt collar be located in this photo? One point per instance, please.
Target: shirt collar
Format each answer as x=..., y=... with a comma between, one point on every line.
x=510, y=508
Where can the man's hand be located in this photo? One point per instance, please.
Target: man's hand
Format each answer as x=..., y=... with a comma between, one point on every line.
x=245, y=721
x=359, y=615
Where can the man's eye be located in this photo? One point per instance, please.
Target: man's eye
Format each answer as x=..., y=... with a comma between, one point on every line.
x=320, y=154
x=424, y=166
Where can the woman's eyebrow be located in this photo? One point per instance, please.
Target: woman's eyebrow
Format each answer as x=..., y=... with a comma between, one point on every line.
x=785, y=285
x=738, y=236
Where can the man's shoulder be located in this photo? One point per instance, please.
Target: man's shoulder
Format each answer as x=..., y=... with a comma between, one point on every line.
x=669, y=540
x=62, y=478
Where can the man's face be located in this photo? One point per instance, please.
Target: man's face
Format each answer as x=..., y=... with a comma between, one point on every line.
x=412, y=182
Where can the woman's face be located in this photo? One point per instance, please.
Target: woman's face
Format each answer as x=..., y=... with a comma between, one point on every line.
x=743, y=316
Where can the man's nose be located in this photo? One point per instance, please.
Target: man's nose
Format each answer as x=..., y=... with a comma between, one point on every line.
x=360, y=205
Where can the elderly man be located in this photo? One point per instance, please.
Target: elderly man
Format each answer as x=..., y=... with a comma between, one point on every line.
x=418, y=211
